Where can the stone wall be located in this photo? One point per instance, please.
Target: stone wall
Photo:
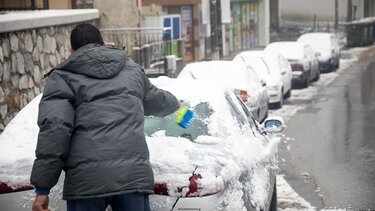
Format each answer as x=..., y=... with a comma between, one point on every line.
x=25, y=56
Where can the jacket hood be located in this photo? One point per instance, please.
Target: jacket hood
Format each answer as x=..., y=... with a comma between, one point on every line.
x=95, y=61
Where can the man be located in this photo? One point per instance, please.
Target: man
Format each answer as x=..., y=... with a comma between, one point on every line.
x=91, y=126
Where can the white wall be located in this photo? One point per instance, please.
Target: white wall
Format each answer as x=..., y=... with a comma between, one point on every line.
x=264, y=22
x=304, y=10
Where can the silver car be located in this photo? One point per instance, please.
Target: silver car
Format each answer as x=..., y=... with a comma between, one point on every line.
x=223, y=153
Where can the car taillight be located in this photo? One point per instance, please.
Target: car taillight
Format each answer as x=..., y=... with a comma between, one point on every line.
x=193, y=186
x=244, y=96
x=297, y=67
x=161, y=189
x=5, y=188
x=194, y=189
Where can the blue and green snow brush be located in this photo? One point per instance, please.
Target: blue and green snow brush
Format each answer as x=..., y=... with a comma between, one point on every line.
x=184, y=117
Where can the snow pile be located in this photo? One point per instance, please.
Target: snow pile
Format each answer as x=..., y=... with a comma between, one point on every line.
x=288, y=199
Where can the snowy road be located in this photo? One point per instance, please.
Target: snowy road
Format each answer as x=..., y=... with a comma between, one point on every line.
x=288, y=199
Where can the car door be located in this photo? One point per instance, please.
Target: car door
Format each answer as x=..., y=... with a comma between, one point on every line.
x=335, y=49
x=261, y=91
x=258, y=133
x=286, y=72
x=313, y=60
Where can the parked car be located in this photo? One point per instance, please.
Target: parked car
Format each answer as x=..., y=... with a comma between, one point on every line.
x=276, y=72
x=302, y=58
x=241, y=78
x=326, y=44
x=18, y=143
x=224, y=153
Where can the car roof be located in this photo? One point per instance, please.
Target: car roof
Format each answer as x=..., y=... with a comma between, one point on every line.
x=259, y=53
x=234, y=74
x=316, y=35
x=284, y=45
x=195, y=91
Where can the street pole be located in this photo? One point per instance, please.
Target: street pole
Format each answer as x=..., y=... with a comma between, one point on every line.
x=336, y=16
x=349, y=18
x=216, y=33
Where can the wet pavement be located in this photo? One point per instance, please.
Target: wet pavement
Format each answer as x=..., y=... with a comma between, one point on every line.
x=329, y=153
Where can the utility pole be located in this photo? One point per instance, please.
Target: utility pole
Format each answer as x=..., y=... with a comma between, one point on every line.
x=336, y=15
x=216, y=30
x=349, y=18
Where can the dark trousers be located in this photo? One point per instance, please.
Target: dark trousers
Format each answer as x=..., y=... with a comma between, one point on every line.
x=126, y=202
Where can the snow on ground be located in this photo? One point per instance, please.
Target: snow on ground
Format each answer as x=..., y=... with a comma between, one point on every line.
x=288, y=199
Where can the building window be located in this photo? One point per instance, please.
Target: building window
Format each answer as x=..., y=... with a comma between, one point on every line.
x=245, y=25
x=186, y=14
x=23, y=4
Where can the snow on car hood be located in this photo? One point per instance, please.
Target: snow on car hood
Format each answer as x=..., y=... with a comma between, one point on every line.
x=18, y=143
x=273, y=80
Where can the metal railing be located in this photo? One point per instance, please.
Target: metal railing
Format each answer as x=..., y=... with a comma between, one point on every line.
x=146, y=46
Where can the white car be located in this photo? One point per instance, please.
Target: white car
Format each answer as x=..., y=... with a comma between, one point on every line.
x=220, y=162
x=276, y=72
x=223, y=154
x=326, y=44
x=302, y=58
x=241, y=78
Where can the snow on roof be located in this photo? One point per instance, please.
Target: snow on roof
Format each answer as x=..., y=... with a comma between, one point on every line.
x=318, y=40
x=258, y=54
x=20, y=20
x=234, y=74
x=290, y=50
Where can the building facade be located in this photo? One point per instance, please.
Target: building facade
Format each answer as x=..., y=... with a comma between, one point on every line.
x=324, y=10
x=247, y=26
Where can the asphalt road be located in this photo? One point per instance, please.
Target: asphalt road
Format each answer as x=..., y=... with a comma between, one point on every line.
x=329, y=156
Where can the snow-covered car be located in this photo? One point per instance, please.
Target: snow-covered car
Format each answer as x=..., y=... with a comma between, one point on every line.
x=326, y=44
x=17, y=144
x=241, y=78
x=302, y=58
x=223, y=154
x=276, y=72
x=223, y=161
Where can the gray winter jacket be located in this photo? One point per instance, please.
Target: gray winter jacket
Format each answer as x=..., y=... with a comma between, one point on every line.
x=91, y=119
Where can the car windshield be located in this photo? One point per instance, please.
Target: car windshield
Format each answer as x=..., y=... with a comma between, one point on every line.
x=273, y=65
x=317, y=43
x=198, y=127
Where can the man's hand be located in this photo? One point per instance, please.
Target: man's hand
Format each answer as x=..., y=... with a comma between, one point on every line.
x=178, y=104
x=41, y=203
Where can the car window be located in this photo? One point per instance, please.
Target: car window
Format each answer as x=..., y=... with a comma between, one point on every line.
x=198, y=127
x=309, y=51
x=254, y=78
x=237, y=113
x=273, y=65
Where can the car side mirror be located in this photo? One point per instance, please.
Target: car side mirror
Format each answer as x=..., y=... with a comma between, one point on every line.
x=263, y=82
x=274, y=125
x=317, y=54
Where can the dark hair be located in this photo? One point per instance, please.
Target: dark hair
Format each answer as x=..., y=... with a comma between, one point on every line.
x=84, y=34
